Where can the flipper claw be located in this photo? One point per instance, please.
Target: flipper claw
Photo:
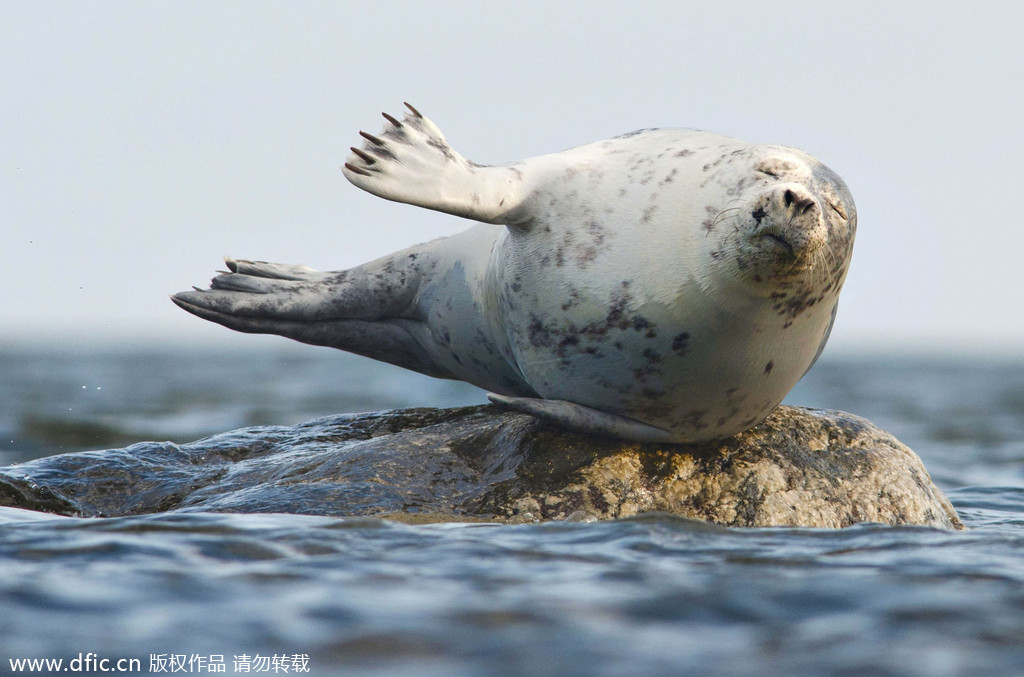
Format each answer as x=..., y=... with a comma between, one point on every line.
x=357, y=170
x=376, y=140
x=366, y=157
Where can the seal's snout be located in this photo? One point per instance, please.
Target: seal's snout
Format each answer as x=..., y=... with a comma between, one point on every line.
x=784, y=231
x=787, y=222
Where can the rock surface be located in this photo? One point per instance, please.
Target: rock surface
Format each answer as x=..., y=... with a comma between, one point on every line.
x=801, y=467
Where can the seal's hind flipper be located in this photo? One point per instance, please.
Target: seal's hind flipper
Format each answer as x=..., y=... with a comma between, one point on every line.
x=583, y=418
x=410, y=161
x=255, y=290
x=366, y=310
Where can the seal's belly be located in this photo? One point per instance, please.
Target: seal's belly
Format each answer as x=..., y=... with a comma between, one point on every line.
x=655, y=348
x=707, y=377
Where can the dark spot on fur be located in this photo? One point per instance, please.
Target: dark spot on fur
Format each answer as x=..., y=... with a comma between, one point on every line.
x=768, y=368
x=539, y=334
x=758, y=214
x=641, y=323
x=680, y=343
x=694, y=419
x=566, y=343
x=440, y=145
x=639, y=131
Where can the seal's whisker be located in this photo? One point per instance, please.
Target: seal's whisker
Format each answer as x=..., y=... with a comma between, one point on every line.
x=724, y=214
x=727, y=213
x=831, y=267
x=830, y=272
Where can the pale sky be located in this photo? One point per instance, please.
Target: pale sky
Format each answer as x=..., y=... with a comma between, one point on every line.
x=140, y=142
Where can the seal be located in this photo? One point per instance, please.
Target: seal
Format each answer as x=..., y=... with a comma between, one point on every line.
x=668, y=285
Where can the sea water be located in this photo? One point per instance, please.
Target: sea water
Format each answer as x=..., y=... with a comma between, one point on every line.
x=652, y=595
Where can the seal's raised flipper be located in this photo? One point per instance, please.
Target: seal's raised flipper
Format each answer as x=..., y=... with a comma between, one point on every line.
x=410, y=161
x=583, y=418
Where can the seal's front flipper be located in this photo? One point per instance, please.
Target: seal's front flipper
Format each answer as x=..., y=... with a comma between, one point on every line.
x=410, y=161
x=583, y=418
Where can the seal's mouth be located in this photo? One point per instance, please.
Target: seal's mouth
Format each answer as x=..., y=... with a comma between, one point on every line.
x=778, y=242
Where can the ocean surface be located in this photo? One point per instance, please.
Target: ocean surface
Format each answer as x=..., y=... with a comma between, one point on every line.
x=654, y=595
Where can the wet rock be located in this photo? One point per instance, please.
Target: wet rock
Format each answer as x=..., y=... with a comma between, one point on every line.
x=801, y=467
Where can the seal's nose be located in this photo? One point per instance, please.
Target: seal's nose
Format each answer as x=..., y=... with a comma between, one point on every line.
x=799, y=201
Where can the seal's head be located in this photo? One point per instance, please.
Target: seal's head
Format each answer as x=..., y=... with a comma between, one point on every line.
x=793, y=224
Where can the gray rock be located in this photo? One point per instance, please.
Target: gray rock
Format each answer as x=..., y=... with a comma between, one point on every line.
x=801, y=467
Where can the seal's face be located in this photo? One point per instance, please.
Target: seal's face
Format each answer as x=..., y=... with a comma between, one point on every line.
x=793, y=226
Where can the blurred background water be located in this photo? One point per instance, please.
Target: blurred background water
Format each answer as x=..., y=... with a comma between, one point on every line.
x=652, y=595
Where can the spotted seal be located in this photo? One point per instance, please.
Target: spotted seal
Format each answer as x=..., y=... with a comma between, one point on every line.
x=667, y=285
